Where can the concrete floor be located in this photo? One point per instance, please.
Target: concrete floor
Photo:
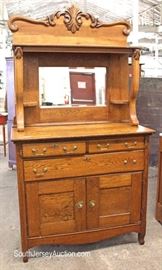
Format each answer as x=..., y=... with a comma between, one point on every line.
x=119, y=253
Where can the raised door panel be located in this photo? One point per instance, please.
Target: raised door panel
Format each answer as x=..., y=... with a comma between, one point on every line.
x=114, y=200
x=55, y=207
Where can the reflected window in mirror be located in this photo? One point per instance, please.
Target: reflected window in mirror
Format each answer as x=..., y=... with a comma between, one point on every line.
x=64, y=86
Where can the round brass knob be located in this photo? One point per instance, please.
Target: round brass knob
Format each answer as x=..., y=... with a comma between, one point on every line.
x=135, y=143
x=134, y=161
x=33, y=150
x=125, y=161
x=79, y=204
x=45, y=169
x=91, y=203
x=65, y=148
x=44, y=150
x=98, y=145
x=75, y=147
x=126, y=144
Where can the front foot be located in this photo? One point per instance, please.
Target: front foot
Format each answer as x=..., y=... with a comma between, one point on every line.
x=141, y=237
x=25, y=259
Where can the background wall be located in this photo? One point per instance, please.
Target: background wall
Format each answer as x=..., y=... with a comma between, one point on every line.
x=149, y=110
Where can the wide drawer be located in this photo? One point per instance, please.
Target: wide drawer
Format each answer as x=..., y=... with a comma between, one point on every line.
x=53, y=149
x=108, y=145
x=85, y=165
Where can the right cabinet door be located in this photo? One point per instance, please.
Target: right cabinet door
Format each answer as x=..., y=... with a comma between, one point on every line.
x=114, y=200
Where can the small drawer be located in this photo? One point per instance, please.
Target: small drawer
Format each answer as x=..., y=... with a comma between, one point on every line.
x=110, y=145
x=84, y=165
x=53, y=149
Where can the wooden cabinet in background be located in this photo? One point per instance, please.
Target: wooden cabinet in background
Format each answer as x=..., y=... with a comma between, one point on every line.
x=159, y=189
x=82, y=169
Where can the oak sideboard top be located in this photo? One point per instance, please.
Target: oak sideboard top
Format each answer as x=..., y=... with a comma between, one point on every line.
x=78, y=131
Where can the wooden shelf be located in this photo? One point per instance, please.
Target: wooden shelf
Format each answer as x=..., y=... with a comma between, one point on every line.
x=30, y=104
x=119, y=102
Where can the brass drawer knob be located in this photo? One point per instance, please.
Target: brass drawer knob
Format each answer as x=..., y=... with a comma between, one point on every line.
x=134, y=161
x=45, y=169
x=91, y=203
x=75, y=147
x=135, y=143
x=125, y=161
x=79, y=204
x=126, y=144
x=64, y=148
x=44, y=149
x=98, y=145
x=33, y=150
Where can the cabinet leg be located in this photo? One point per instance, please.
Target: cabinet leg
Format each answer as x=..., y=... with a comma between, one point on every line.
x=141, y=237
x=25, y=259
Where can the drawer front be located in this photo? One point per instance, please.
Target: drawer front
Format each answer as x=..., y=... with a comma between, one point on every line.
x=86, y=165
x=50, y=149
x=109, y=145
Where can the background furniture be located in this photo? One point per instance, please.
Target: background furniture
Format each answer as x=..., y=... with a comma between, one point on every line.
x=84, y=168
x=159, y=189
x=10, y=109
x=3, y=122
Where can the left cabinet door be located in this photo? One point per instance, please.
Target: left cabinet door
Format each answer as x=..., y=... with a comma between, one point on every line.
x=55, y=207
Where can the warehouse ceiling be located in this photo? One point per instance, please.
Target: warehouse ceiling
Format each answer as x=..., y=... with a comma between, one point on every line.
x=108, y=11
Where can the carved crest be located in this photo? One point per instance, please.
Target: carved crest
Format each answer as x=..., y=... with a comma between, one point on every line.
x=73, y=20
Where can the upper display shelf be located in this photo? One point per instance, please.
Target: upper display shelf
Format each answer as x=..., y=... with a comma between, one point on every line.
x=80, y=29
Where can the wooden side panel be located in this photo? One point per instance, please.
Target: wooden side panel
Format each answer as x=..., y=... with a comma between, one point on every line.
x=159, y=186
x=33, y=209
x=136, y=197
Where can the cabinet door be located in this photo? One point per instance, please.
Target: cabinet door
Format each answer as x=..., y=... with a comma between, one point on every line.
x=113, y=200
x=55, y=207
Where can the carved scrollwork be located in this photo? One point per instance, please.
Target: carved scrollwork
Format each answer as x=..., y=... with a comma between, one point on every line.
x=18, y=52
x=73, y=20
x=136, y=54
x=14, y=27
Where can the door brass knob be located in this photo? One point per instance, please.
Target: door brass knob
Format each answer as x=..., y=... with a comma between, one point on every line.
x=79, y=204
x=91, y=203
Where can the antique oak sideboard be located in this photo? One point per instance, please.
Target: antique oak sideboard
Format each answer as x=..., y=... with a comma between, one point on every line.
x=82, y=157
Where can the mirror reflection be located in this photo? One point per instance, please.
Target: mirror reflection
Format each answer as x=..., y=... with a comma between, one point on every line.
x=64, y=86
